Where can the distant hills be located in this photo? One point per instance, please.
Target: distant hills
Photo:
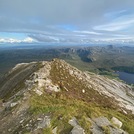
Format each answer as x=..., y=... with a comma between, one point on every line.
x=98, y=59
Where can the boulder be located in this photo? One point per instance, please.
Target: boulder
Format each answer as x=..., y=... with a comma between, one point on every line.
x=102, y=125
x=54, y=131
x=77, y=129
x=13, y=104
x=102, y=121
x=116, y=122
x=73, y=122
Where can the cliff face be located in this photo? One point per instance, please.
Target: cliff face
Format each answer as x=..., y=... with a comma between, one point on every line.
x=54, y=97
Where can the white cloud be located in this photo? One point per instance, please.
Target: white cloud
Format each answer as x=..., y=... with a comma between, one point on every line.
x=114, y=13
x=117, y=25
x=28, y=40
x=12, y=40
x=44, y=38
x=88, y=32
x=38, y=14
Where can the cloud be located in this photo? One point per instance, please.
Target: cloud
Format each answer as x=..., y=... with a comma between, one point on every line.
x=88, y=32
x=12, y=40
x=28, y=40
x=24, y=14
x=118, y=24
x=44, y=38
x=115, y=14
x=58, y=19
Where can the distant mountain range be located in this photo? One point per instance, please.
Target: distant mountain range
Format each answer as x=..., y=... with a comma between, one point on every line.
x=98, y=59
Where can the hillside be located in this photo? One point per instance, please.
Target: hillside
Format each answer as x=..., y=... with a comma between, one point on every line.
x=57, y=98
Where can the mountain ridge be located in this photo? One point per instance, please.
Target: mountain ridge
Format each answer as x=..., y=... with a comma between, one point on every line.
x=44, y=96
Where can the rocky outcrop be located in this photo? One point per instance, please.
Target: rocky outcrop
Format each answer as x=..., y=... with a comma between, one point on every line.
x=41, y=79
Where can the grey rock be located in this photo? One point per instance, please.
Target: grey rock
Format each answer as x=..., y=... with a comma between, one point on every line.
x=45, y=122
x=99, y=123
x=116, y=131
x=54, y=131
x=13, y=104
x=77, y=130
x=95, y=129
x=73, y=122
x=116, y=122
x=102, y=121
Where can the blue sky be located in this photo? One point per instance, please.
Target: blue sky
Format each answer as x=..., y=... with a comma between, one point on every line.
x=66, y=20
x=7, y=35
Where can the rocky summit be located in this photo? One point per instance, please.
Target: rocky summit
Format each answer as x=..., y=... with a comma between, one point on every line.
x=57, y=98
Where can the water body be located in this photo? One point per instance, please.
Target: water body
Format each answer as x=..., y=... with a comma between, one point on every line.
x=127, y=77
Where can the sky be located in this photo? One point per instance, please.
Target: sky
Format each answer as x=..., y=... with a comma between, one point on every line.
x=27, y=21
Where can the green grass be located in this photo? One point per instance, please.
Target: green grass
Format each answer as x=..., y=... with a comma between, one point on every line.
x=62, y=110
x=47, y=131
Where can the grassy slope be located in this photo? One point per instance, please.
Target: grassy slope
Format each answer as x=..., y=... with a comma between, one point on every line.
x=15, y=81
x=64, y=105
x=62, y=109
